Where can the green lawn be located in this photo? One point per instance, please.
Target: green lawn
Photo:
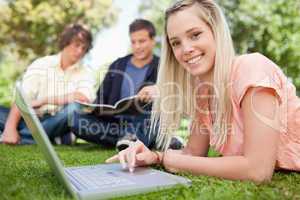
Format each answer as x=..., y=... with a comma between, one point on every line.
x=24, y=174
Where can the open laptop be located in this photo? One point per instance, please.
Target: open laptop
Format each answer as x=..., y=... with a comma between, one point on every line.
x=97, y=181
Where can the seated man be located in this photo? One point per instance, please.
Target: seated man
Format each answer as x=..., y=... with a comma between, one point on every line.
x=133, y=74
x=52, y=84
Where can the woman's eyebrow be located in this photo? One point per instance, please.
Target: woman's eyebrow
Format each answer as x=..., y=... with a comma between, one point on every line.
x=187, y=32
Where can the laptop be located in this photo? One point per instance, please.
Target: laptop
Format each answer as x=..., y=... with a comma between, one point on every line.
x=100, y=181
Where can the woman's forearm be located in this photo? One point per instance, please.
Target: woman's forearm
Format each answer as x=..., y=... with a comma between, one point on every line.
x=230, y=167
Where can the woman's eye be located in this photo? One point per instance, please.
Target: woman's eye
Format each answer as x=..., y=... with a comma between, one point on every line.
x=175, y=43
x=196, y=35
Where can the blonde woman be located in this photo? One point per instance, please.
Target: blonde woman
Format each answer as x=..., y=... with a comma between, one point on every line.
x=242, y=106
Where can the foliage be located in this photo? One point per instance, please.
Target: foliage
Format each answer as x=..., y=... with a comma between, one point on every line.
x=31, y=27
x=10, y=70
x=270, y=27
x=153, y=10
x=6, y=91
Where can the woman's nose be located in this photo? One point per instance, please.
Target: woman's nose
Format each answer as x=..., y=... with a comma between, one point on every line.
x=187, y=47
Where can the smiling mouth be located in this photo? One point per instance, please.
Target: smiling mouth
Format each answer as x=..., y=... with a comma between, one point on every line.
x=139, y=52
x=195, y=60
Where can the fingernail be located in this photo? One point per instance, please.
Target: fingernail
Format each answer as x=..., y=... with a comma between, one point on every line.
x=123, y=165
x=131, y=169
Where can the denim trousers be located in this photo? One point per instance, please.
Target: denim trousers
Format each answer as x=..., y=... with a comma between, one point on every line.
x=108, y=130
x=54, y=125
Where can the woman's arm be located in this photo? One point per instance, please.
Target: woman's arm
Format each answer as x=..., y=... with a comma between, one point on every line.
x=260, y=147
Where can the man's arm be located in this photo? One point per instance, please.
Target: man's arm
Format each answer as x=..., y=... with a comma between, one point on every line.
x=60, y=100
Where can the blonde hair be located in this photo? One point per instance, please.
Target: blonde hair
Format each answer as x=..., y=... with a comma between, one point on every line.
x=172, y=76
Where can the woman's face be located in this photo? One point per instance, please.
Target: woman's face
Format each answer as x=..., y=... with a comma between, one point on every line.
x=192, y=43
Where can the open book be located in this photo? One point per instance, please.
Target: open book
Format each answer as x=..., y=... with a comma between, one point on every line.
x=129, y=105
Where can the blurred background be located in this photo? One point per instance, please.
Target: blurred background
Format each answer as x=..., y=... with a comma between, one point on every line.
x=29, y=29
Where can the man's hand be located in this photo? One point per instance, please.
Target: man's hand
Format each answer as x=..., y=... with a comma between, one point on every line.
x=11, y=136
x=38, y=103
x=78, y=96
x=148, y=93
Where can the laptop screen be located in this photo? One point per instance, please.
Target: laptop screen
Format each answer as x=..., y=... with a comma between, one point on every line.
x=34, y=125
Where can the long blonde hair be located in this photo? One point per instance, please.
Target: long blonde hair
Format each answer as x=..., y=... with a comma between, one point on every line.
x=177, y=86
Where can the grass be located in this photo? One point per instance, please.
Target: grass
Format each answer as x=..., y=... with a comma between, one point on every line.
x=24, y=174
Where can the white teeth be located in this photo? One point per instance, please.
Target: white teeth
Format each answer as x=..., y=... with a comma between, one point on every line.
x=194, y=60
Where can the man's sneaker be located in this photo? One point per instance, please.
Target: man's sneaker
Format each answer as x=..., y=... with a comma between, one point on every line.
x=125, y=141
x=176, y=143
x=68, y=139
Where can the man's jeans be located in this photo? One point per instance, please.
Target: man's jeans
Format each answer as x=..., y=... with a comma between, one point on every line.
x=56, y=125
x=108, y=130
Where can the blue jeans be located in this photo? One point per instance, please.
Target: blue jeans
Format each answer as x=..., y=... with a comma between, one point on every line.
x=108, y=130
x=56, y=125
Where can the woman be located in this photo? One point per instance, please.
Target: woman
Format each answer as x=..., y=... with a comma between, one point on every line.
x=242, y=106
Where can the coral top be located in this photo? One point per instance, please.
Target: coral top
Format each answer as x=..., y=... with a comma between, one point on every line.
x=255, y=70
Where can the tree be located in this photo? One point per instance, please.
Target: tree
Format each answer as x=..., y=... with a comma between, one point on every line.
x=154, y=10
x=31, y=27
x=270, y=27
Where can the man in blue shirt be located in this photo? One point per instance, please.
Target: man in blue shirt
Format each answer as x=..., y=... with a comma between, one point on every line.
x=130, y=75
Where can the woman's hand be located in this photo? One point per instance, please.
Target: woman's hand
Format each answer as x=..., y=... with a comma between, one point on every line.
x=137, y=154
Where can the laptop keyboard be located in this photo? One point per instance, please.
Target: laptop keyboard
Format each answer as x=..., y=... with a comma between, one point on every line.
x=96, y=178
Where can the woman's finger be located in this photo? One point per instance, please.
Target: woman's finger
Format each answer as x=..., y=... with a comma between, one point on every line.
x=121, y=157
x=131, y=156
x=112, y=159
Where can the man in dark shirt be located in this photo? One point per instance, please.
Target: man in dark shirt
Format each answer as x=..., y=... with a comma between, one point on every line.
x=133, y=74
